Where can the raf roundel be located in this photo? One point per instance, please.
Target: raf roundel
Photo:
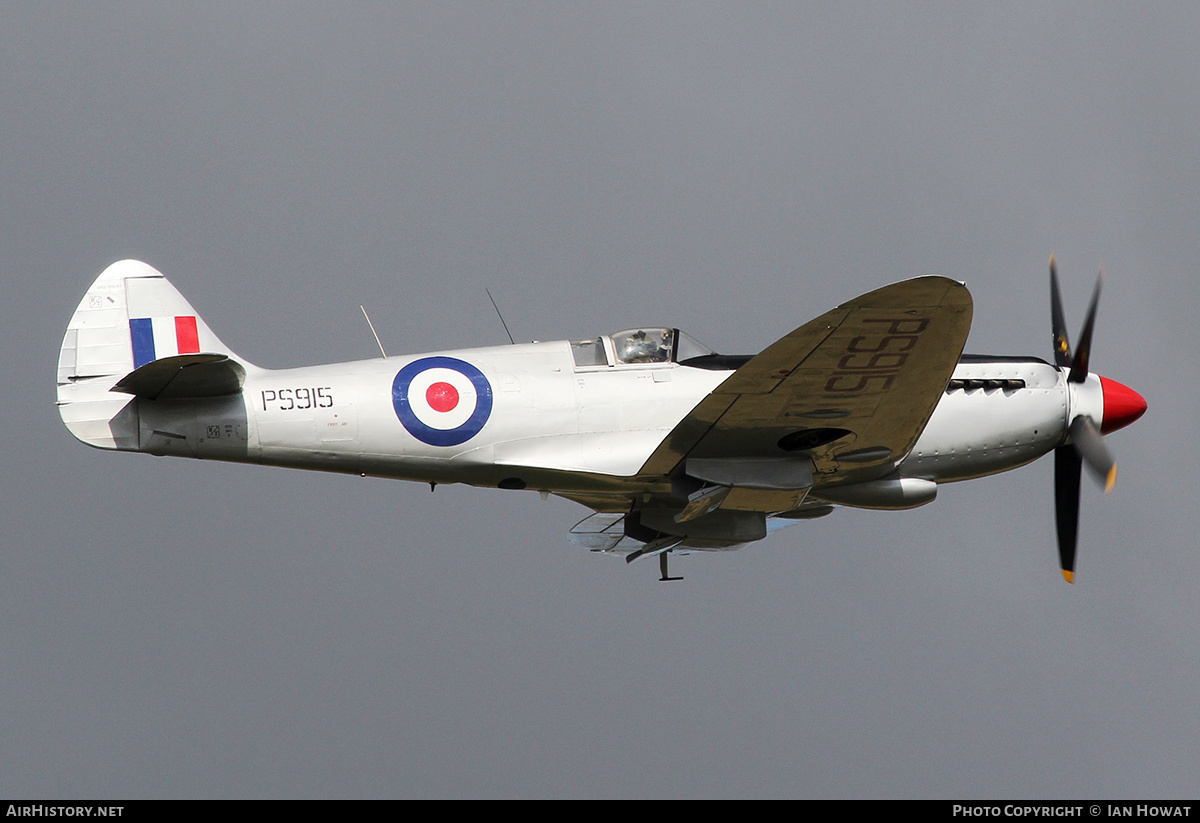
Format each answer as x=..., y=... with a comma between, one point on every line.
x=442, y=401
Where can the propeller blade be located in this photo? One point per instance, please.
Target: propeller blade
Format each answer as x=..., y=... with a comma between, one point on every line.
x=1062, y=348
x=1095, y=454
x=1121, y=404
x=1079, y=366
x=1067, y=470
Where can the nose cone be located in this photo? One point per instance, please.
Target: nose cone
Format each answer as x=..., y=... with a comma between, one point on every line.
x=1122, y=405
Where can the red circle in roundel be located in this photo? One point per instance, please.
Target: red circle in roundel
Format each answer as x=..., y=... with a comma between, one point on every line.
x=441, y=397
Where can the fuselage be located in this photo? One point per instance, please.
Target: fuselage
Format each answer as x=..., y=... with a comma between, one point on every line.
x=550, y=419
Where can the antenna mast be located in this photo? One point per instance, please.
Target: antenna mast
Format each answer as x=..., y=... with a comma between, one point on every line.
x=501, y=316
x=372, y=327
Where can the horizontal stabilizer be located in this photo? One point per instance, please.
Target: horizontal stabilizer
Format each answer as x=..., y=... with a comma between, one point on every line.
x=184, y=376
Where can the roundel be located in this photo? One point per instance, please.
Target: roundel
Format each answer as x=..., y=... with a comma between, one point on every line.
x=442, y=401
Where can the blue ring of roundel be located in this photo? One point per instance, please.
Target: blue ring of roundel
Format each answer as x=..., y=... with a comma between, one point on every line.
x=428, y=434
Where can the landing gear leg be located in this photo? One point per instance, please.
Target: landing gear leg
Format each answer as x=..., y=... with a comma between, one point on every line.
x=662, y=565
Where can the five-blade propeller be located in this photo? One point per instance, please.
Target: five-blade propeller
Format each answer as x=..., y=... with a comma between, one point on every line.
x=1086, y=446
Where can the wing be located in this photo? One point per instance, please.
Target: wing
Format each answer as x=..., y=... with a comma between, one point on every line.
x=852, y=389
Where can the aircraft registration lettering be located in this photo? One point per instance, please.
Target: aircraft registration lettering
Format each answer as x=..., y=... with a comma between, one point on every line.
x=869, y=358
x=303, y=397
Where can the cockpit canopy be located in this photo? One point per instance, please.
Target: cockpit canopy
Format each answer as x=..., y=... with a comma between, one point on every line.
x=634, y=346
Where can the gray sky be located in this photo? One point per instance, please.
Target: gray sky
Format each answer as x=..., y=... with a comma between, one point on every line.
x=176, y=628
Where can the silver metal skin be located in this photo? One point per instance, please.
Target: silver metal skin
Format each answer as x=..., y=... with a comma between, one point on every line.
x=673, y=447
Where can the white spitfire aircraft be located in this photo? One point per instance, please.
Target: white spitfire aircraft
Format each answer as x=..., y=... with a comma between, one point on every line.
x=673, y=446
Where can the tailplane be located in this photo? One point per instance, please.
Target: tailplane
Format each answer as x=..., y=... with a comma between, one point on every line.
x=133, y=335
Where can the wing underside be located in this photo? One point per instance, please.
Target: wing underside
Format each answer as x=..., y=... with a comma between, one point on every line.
x=839, y=401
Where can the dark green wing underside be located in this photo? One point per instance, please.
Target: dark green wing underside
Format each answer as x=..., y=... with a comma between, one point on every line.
x=873, y=368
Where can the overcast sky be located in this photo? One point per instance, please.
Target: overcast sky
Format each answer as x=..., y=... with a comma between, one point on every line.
x=175, y=628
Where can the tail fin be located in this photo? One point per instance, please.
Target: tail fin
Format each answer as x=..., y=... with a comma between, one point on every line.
x=130, y=318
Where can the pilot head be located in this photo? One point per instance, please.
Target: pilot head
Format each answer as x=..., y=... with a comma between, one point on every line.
x=640, y=348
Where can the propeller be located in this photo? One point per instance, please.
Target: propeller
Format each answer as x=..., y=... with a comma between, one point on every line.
x=1122, y=406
